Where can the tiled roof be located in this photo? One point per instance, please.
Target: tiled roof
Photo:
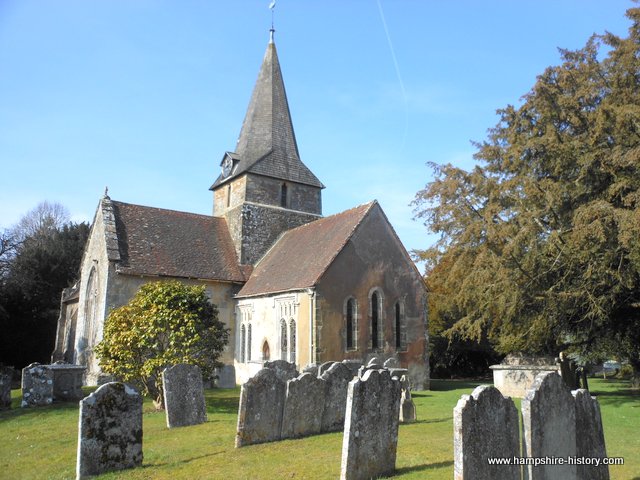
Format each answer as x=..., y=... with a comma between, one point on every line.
x=302, y=255
x=267, y=143
x=154, y=241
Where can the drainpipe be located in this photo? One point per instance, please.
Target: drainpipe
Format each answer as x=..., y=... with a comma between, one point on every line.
x=312, y=299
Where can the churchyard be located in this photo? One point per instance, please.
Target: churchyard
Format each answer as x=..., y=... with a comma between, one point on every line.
x=41, y=443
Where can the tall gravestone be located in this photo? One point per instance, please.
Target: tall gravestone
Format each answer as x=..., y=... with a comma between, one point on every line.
x=303, y=405
x=110, y=430
x=589, y=436
x=260, y=409
x=371, y=427
x=549, y=427
x=485, y=424
x=37, y=385
x=183, y=395
x=284, y=370
x=6, y=375
x=337, y=379
x=407, y=407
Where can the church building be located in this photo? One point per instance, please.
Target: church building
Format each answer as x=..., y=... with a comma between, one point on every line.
x=289, y=283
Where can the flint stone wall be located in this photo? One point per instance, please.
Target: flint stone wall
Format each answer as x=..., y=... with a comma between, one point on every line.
x=183, y=396
x=37, y=385
x=371, y=427
x=337, y=379
x=110, y=430
x=485, y=424
x=261, y=408
x=589, y=436
x=305, y=397
x=549, y=427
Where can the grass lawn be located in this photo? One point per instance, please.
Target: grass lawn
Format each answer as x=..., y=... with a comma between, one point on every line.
x=40, y=443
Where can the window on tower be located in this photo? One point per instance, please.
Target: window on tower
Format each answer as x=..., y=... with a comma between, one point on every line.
x=283, y=195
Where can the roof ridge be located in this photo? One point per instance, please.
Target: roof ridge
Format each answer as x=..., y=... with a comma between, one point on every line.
x=148, y=207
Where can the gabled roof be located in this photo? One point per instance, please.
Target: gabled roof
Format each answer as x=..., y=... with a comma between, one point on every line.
x=159, y=242
x=267, y=143
x=302, y=255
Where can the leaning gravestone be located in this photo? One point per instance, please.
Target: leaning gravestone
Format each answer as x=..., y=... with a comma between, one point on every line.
x=485, y=424
x=37, y=385
x=407, y=407
x=110, y=431
x=260, y=408
x=589, y=436
x=303, y=404
x=371, y=427
x=549, y=427
x=183, y=395
x=6, y=375
x=337, y=379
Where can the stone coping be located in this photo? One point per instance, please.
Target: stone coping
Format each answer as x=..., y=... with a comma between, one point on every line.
x=542, y=368
x=64, y=366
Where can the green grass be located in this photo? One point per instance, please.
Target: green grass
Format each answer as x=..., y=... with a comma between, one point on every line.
x=40, y=443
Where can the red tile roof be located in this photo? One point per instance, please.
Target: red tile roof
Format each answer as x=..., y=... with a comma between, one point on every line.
x=154, y=241
x=302, y=255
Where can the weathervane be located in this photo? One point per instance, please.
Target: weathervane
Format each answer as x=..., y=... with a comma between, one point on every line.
x=272, y=7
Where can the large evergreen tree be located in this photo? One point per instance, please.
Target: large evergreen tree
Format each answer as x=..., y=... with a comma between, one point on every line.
x=42, y=257
x=540, y=243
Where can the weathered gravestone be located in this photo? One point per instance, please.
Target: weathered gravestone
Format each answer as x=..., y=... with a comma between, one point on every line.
x=371, y=427
x=110, y=430
x=324, y=367
x=337, y=379
x=183, y=395
x=260, y=409
x=284, y=370
x=312, y=368
x=549, y=427
x=353, y=366
x=67, y=381
x=303, y=405
x=6, y=375
x=485, y=424
x=37, y=385
x=407, y=407
x=226, y=376
x=589, y=436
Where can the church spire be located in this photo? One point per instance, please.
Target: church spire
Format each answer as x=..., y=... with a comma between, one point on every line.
x=267, y=142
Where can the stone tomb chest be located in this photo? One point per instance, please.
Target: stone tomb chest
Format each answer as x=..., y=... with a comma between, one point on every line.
x=515, y=375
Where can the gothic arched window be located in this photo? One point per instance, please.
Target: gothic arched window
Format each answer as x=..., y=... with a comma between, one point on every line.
x=283, y=339
x=351, y=324
x=248, y=343
x=266, y=351
x=375, y=320
x=243, y=340
x=398, y=326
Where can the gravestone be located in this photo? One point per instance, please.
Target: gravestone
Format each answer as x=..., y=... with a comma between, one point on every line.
x=337, y=380
x=6, y=375
x=549, y=427
x=353, y=366
x=407, y=407
x=589, y=436
x=375, y=363
x=371, y=427
x=390, y=363
x=67, y=381
x=226, y=376
x=260, y=409
x=110, y=430
x=312, y=368
x=303, y=405
x=485, y=424
x=183, y=395
x=324, y=367
x=37, y=385
x=285, y=371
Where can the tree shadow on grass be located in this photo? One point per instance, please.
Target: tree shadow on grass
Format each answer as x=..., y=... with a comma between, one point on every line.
x=423, y=467
x=222, y=405
x=617, y=398
x=435, y=420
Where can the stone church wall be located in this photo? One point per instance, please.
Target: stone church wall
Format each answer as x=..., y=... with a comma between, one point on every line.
x=267, y=191
x=374, y=261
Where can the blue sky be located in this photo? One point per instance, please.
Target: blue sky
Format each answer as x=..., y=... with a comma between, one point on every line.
x=145, y=96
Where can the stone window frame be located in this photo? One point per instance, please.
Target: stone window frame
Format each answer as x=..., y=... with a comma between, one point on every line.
x=293, y=336
x=380, y=319
x=243, y=337
x=354, y=324
x=283, y=338
x=284, y=195
x=244, y=314
x=399, y=326
x=267, y=357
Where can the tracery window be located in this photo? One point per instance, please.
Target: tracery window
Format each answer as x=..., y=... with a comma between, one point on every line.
x=375, y=314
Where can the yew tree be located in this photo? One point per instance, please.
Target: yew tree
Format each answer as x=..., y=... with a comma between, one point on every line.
x=539, y=247
x=164, y=324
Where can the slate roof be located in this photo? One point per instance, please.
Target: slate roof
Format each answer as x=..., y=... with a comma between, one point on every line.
x=267, y=143
x=155, y=241
x=302, y=255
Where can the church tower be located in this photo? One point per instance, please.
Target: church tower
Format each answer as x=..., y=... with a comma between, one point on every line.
x=264, y=189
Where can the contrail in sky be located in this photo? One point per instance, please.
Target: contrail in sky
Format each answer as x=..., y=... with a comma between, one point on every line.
x=395, y=62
